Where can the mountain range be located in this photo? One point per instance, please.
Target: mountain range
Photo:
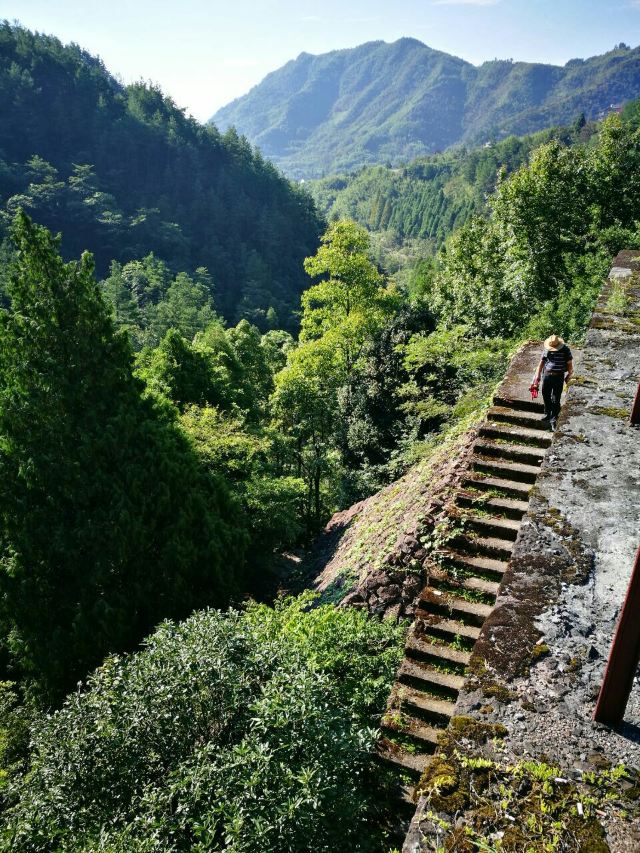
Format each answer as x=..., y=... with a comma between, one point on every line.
x=383, y=102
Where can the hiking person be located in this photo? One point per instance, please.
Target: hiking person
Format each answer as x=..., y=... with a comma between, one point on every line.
x=555, y=365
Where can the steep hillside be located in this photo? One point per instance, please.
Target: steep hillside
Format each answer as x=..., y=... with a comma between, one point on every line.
x=380, y=102
x=123, y=172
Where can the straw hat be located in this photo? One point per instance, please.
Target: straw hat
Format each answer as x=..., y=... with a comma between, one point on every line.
x=555, y=342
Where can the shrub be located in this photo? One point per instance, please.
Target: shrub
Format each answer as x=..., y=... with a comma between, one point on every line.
x=244, y=731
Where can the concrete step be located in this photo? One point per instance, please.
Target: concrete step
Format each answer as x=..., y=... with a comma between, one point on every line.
x=508, y=415
x=391, y=753
x=477, y=564
x=447, y=629
x=497, y=484
x=517, y=434
x=473, y=584
x=419, y=648
x=506, y=470
x=519, y=405
x=483, y=546
x=501, y=528
x=453, y=606
x=509, y=507
x=423, y=673
x=427, y=706
x=512, y=452
x=416, y=729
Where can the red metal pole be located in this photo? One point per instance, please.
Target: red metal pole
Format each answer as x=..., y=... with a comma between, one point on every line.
x=624, y=656
x=635, y=409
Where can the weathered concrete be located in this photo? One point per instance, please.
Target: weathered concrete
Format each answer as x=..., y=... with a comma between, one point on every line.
x=569, y=572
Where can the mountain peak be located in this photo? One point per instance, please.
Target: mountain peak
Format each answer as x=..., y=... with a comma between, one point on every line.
x=384, y=101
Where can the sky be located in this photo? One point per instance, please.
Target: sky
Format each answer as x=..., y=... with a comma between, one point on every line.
x=204, y=53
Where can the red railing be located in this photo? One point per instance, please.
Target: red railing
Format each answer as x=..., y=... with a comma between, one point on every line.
x=624, y=656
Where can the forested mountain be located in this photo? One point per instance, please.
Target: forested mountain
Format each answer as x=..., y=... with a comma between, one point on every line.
x=121, y=171
x=430, y=197
x=393, y=102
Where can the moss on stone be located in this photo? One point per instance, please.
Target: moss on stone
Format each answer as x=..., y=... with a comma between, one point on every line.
x=609, y=411
x=578, y=569
x=473, y=730
x=528, y=804
x=441, y=784
x=589, y=834
x=539, y=650
x=481, y=678
x=580, y=379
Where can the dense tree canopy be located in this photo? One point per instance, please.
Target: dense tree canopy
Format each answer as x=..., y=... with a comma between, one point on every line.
x=107, y=521
x=547, y=220
x=123, y=171
x=246, y=732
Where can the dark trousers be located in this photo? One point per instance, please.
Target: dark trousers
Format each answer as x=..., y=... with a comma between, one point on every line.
x=551, y=392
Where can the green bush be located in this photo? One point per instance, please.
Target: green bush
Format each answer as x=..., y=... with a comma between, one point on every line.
x=244, y=731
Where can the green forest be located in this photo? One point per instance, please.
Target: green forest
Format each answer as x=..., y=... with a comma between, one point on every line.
x=123, y=171
x=161, y=440
x=421, y=203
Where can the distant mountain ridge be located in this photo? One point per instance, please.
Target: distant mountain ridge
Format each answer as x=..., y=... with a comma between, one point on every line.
x=393, y=102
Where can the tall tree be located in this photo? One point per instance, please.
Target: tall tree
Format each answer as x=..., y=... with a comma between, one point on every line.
x=107, y=523
x=351, y=304
x=342, y=315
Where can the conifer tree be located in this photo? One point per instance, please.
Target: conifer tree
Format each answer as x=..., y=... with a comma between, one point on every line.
x=107, y=524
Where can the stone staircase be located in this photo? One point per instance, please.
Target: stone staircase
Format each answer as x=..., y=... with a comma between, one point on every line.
x=468, y=566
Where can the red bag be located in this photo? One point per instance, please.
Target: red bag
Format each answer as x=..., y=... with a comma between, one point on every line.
x=534, y=390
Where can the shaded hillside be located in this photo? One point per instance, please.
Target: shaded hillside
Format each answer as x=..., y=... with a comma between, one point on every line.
x=380, y=102
x=122, y=171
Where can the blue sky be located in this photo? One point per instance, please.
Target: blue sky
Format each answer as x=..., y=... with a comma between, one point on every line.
x=205, y=52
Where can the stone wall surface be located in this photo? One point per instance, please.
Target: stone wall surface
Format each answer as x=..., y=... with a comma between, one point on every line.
x=548, y=638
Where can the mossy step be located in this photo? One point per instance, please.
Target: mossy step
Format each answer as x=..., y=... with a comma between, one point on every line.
x=422, y=672
x=484, y=546
x=501, y=528
x=473, y=584
x=507, y=415
x=411, y=762
x=448, y=628
x=421, y=649
x=506, y=470
x=509, y=507
x=517, y=434
x=497, y=484
x=475, y=563
x=518, y=405
x=445, y=604
x=428, y=706
x=512, y=452
x=413, y=728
